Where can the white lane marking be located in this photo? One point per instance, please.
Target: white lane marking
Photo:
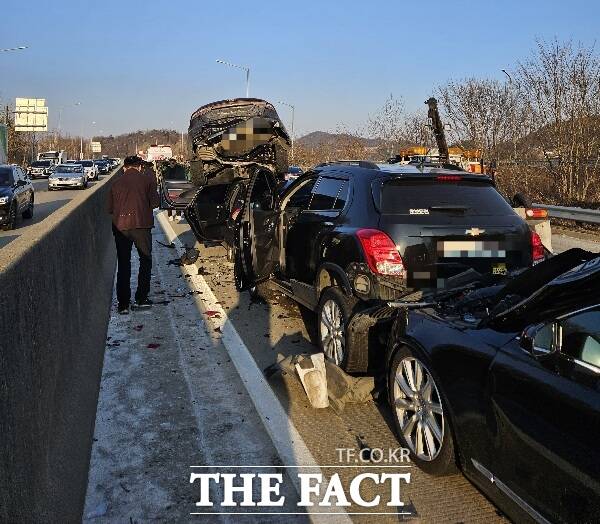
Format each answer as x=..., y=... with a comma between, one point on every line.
x=285, y=437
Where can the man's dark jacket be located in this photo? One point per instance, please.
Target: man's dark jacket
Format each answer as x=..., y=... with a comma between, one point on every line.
x=131, y=200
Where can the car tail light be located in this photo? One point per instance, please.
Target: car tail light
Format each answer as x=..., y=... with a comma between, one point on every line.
x=381, y=253
x=448, y=178
x=537, y=248
x=536, y=213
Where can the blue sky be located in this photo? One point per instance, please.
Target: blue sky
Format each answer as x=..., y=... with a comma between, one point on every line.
x=139, y=65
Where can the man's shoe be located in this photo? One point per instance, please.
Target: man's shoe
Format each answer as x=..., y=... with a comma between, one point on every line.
x=123, y=310
x=143, y=304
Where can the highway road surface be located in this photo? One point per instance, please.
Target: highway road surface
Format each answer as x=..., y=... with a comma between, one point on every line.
x=183, y=384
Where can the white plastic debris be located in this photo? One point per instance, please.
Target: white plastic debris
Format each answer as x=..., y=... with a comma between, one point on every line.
x=311, y=372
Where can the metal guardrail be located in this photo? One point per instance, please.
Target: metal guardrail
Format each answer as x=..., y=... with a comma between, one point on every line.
x=572, y=213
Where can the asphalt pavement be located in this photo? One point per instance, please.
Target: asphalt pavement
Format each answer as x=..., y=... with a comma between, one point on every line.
x=46, y=203
x=184, y=385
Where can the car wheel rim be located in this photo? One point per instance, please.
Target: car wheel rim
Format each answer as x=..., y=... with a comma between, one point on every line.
x=418, y=408
x=332, y=331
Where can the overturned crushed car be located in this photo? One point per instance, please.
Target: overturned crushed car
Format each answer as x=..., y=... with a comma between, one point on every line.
x=231, y=141
x=502, y=380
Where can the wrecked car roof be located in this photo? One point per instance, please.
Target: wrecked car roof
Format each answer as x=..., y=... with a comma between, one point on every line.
x=230, y=103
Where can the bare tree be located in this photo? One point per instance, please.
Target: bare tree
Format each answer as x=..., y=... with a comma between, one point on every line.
x=486, y=114
x=415, y=131
x=386, y=124
x=561, y=83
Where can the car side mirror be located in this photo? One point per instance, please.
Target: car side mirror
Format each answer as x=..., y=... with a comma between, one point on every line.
x=540, y=340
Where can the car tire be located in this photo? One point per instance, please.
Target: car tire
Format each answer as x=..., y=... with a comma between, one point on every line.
x=434, y=450
x=12, y=220
x=28, y=213
x=333, y=315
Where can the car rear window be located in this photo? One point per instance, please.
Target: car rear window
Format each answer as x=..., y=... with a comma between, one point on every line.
x=430, y=197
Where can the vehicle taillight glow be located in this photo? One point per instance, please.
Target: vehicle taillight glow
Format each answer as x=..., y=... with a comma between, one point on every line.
x=537, y=248
x=448, y=178
x=536, y=213
x=381, y=253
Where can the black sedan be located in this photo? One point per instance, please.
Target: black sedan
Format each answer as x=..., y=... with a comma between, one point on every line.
x=16, y=196
x=503, y=381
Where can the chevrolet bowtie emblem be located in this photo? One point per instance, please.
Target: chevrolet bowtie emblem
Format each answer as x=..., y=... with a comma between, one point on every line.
x=474, y=231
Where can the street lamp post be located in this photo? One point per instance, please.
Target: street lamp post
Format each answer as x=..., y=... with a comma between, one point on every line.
x=292, y=133
x=247, y=69
x=14, y=48
x=80, y=135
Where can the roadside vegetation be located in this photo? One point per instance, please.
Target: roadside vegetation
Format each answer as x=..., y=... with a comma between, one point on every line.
x=538, y=128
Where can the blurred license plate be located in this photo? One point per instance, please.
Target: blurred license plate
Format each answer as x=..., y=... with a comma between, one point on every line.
x=471, y=249
x=499, y=269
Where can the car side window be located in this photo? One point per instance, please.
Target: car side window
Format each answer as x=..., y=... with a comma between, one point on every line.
x=544, y=338
x=580, y=336
x=301, y=197
x=342, y=198
x=325, y=194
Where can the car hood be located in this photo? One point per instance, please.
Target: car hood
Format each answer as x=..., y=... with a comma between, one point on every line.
x=5, y=191
x=577, y=287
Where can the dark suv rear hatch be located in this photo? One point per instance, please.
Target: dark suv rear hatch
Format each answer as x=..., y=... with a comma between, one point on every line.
x=444, y=224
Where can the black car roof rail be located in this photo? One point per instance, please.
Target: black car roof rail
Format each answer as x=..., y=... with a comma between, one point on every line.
x=360, y=163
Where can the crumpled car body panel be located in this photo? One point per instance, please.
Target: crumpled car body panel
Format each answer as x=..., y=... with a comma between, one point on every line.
x=230, y=137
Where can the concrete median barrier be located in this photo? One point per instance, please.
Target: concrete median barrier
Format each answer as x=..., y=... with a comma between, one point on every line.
x=55, y=295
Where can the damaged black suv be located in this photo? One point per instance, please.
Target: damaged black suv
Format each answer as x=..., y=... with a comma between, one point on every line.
x=348, y=235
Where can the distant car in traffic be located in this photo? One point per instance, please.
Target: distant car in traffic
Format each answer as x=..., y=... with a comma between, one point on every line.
x=16, y=195
x=40, y=168
x=103, y=166
x=90, y=168
x=503, y=381
x=68, y=176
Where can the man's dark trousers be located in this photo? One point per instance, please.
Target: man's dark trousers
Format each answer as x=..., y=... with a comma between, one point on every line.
x=142, y=238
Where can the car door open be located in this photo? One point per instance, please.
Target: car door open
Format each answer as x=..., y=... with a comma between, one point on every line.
x=175, y=186
x=257, y=250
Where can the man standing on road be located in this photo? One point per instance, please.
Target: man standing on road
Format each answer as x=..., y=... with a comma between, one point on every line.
x=131, y=200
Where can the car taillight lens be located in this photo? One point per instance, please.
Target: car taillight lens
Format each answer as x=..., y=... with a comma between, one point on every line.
x=537, y=248
x=381, y=253
x=536, y=213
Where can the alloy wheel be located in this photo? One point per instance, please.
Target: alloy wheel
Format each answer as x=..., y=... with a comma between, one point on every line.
x=418, y=408
x=333, y=339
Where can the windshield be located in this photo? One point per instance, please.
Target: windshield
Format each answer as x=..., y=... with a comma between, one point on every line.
x=73, y=168
x=41, y=163
x=409, y=197
x=6, y=178
x=87, y=163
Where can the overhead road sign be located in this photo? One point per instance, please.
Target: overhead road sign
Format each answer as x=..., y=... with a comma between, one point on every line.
x=31, y=114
